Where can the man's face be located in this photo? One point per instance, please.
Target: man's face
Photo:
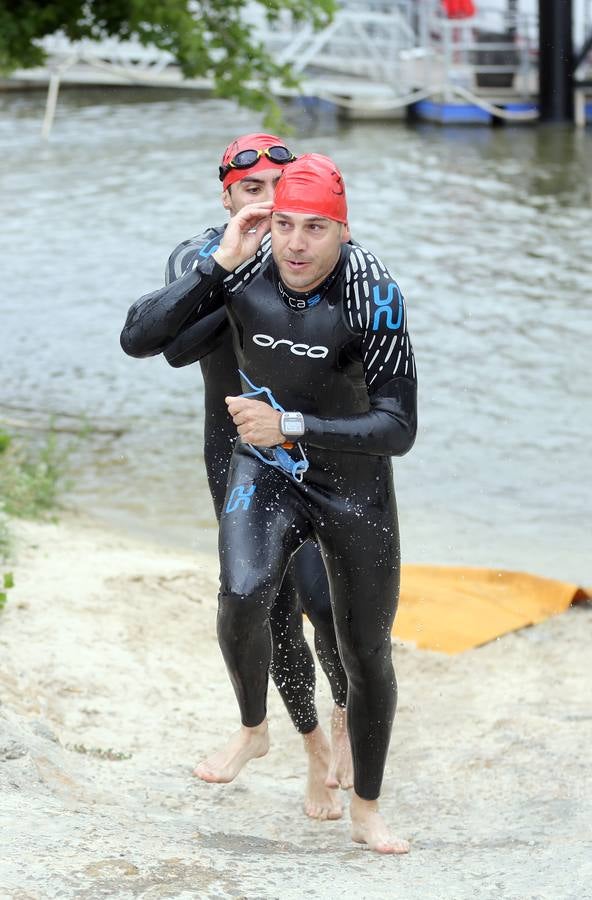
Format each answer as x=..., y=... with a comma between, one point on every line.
x=255, y=188
x=306, y=248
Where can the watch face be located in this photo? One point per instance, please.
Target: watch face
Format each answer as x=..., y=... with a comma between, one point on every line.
x=292, y=424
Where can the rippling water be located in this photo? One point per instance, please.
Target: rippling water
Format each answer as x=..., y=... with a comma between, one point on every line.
x=488, y=231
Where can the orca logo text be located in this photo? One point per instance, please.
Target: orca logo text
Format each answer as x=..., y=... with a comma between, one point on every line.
x=266, y=340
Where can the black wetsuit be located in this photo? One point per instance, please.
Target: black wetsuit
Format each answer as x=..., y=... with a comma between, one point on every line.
x=305, y=586
x=343, y=358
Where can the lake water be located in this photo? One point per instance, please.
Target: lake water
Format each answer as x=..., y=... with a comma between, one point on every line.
x=488, y=231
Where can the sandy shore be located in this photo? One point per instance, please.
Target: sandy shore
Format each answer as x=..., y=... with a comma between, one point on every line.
x=108, y=645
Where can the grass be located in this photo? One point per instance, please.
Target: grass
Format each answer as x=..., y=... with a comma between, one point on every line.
x=7, y=583
x=4, y=538
x=31, y=476
x=99, y=752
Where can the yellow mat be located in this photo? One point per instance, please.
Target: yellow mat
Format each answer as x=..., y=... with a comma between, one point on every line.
x=453, y=609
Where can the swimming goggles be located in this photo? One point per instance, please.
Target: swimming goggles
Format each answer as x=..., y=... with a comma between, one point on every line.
x=247, y=158
x=279, y=459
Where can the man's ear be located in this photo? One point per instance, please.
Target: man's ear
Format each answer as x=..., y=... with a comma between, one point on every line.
x=227, y=200
x=345, y=233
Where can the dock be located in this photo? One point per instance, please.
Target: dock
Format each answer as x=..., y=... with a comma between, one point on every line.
x=375, y=61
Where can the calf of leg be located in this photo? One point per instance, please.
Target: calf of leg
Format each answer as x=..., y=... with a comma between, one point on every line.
x=312, y=585
x=292, y=665
x=363, y=567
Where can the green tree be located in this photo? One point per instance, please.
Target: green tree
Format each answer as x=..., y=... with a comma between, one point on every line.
x=207, y=37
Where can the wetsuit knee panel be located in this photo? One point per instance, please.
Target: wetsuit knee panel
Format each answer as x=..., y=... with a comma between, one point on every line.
x=366, y=660
x=253, y=601
x=248, y=584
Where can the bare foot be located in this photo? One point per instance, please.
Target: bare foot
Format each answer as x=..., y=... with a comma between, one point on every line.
x=245, y=744
x=319, y=802
x=341, y=771
x=368, y=827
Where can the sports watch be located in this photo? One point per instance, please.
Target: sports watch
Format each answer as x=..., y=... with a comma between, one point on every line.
x=292, y=424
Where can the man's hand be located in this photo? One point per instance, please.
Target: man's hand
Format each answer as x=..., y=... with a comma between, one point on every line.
x=243, y=235
x=258, y=423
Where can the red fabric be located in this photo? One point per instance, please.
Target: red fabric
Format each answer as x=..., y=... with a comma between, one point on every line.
x=256, y=141
x=459, y=9
x=312, y=185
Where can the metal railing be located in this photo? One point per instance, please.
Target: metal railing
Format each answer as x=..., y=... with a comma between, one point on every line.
x=411, y=45
x=130, y=55
x=365, y=40
x=491, y=53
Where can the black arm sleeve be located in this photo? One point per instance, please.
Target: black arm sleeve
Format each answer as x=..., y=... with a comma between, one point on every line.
x=375, y=310
x=156, y=318
x=387, y=429
x=197, y=340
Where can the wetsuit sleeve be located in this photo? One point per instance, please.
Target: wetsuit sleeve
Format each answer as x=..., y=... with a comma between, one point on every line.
x=375, y=310
x=197, y=340
x=156, y=319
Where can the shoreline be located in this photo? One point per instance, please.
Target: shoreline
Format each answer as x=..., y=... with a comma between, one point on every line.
x=108, y=645
x=515, y=556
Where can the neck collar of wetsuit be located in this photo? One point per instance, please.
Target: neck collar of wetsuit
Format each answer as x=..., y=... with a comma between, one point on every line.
x=308, y=299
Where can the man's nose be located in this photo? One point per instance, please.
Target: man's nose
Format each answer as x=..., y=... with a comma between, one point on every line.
x=297, y=241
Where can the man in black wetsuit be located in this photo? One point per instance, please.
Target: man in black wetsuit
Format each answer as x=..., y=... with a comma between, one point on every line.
x=323, y=324
x=251, y=166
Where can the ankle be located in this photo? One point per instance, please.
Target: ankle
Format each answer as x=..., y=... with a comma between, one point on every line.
x=338, y=718
x=315, y=740
x=255, y=730
x=359, y=806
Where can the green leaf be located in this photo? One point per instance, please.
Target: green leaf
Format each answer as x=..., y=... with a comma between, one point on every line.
x=8, y=580
x=208, y=38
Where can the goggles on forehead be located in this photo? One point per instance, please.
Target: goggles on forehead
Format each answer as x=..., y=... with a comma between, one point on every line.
x=247, y=158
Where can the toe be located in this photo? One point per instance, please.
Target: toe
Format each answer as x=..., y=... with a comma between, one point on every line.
x=401, y=846
x=383, y=848
x=334, y=814
x=393, y=847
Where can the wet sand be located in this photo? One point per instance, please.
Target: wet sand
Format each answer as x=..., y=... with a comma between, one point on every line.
x=112, y=688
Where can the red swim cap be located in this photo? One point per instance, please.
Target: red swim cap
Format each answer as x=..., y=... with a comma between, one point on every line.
x=313, y=185
x=250, y=142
